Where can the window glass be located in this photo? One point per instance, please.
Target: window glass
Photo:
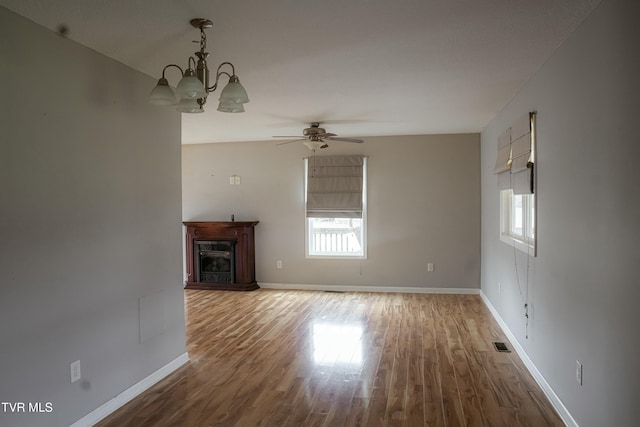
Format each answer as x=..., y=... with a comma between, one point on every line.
x=335, y=236
x=517, y=218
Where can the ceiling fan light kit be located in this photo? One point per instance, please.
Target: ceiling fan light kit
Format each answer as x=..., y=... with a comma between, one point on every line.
x=314, y=145
x=192, y=90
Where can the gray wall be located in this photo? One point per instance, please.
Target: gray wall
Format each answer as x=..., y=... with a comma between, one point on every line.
x=90, y=252
x=583, y=286
x=423, y=198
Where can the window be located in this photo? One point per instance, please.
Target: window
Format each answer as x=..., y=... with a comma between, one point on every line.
x=517, y=220
x=335, y=200
x=335, y=237
x=515, y=170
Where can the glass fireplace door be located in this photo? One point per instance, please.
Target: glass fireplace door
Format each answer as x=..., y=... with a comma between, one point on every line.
x=215, y=261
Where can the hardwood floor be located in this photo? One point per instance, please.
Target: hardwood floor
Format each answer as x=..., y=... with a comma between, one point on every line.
x=312, y=358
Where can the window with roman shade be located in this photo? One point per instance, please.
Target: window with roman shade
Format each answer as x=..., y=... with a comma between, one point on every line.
x=336, y=207
x=514, y=169
x=334, y=187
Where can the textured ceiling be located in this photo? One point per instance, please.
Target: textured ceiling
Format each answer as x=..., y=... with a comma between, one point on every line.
x=364, y=67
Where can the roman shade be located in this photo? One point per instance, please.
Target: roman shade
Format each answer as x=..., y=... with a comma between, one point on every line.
x=514, y=161
x=334, y=186
x=503, y=161
x=521, y=164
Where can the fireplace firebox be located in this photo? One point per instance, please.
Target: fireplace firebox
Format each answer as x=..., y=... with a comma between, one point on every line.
x=220, y=255
x=215, y=262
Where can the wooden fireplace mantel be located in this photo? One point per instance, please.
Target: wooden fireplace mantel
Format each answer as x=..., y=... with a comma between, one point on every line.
x=239, y=232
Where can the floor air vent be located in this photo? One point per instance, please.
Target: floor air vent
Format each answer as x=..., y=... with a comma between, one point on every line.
x=501, y=347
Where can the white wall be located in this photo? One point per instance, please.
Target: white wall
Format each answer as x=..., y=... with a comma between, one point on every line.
x=583, y=286
x=90, y=253
x=423, y=198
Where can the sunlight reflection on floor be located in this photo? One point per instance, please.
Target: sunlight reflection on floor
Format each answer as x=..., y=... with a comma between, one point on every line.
x=337, y=344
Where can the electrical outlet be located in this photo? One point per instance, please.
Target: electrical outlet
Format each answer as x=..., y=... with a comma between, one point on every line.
x=430, y=267
x=279, y=264
x=579, y=372
x=75, y=371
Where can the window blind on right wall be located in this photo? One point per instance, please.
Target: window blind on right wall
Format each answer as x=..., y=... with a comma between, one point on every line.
x=503, y=160
x=514, y=161
x=521, y=158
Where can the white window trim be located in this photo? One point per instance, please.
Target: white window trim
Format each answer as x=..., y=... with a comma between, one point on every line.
x=521, y=243
x=307, y=230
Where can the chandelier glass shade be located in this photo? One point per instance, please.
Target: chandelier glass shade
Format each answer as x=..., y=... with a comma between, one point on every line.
x=187, y=105
x=191, y=93
x=190, y=87
x=234, y=92
x=162, y=94
x=230, y=107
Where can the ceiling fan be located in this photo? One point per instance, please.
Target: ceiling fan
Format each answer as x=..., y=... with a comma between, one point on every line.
x=314, y=137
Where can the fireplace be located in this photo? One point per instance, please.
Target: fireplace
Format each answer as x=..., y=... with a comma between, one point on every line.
x=220, y=255
x=215, y=261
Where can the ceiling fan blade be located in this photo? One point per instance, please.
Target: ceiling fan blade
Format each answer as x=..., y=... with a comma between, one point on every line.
x=359, y=141
x=287, y=136
x=289, y=142
x=326, y=134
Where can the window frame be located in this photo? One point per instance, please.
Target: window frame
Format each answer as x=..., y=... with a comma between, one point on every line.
x=526, y=240
x=308, y=229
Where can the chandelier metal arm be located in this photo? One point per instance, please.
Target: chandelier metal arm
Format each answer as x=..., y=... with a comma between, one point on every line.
x=219, y=73
x=172, y=65
x=233, y=69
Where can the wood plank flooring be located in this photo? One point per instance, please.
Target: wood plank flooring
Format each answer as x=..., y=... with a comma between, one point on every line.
x=312, y=358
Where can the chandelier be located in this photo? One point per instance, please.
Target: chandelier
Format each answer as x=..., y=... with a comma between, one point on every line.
x=192, y=90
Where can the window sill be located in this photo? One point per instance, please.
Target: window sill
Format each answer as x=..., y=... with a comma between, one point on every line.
x=520, y=245
x=357, y=257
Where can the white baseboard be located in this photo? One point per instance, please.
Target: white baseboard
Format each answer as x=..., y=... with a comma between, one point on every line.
x=542, y=382
x=352, y=288
x=123, y=398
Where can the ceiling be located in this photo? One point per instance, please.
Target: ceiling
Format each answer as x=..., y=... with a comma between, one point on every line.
x=363, y=67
